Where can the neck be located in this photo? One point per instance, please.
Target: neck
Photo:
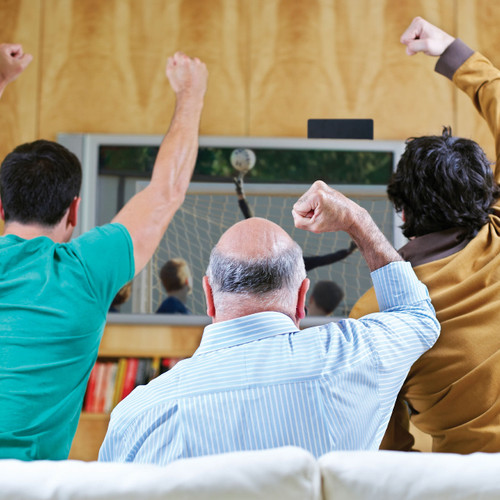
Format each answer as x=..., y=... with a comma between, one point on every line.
x=239, y=312
x=180, y=294
x=314, y=310
x=30, y=231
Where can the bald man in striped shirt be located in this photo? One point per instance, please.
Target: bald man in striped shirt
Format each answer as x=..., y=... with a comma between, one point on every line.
x=257, y=381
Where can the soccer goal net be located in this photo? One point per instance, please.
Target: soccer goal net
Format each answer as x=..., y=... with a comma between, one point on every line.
x=211, y=208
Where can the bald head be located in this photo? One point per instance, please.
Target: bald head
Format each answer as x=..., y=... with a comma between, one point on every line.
x=255, y=267
x=254, y=238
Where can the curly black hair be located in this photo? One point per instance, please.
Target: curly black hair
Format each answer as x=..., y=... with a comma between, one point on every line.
x=442, y=182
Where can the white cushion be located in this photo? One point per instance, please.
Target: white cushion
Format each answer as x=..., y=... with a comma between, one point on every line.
x=396, y=475
x=288, y=472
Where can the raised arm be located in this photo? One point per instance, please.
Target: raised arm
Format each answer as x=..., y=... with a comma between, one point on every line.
x=13, y=61
x=323, y=209
x=475, y=75
x=471, y=72
x=396, y=334
x=148, y=213
x=313, y=261
x=242, y=200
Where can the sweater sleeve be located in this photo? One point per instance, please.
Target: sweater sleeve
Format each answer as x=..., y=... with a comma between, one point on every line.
x=475, y=75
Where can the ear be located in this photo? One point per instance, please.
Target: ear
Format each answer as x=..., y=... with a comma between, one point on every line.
x=188, y=285
x=301, y=300
x=209, y=297
x=73, y=211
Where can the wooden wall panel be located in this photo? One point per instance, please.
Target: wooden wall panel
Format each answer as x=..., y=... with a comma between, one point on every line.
x=343, y=59
x=19, y=103
x=273, y=64
x=104, y=63
x=99, y=66
x=477, y=25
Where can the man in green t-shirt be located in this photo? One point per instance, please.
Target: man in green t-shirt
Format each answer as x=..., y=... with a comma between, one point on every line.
x=55, y=293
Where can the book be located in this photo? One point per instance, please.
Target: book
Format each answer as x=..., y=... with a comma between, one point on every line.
x=168, y=364
x=155, y=368
x=88, y=402
x=101, y=368
x=143, y=371
x=102, y=388
x=120, y=379
x=130, y=375
x=95, y=381
x=110, y=387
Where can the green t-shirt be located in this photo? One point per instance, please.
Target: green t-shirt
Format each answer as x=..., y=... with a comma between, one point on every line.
x=54, y=298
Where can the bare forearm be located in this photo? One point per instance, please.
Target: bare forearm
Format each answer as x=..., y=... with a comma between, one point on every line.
x=176, y=158
x=373, y=245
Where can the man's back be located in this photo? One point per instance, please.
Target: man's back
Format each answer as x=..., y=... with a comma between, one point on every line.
x=52, y=315
x=453, y=388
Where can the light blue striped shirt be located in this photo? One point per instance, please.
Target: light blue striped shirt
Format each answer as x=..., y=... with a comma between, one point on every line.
x=258, y=382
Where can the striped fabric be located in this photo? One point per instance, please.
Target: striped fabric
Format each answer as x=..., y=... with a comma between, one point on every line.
x=257, y=382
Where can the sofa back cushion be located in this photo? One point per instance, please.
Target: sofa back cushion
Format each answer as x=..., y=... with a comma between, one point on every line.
x=288, y=472
x=382, y=475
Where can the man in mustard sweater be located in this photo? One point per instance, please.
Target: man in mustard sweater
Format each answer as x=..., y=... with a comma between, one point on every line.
x=448, y=195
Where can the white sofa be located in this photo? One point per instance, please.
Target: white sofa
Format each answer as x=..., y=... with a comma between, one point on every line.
x=282, y=473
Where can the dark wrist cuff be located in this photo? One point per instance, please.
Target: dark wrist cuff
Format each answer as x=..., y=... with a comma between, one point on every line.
x=452, y=58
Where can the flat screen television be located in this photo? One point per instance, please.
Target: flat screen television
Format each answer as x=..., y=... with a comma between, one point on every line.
x=116, y=166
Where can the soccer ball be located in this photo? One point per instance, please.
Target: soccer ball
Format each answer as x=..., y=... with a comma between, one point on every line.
x=243, y=160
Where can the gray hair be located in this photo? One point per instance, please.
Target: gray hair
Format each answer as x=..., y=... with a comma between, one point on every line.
x=274, y=280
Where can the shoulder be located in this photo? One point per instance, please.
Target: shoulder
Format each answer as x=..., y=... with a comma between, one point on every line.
x=172, y=305
x=106, y=254
x=107, y=232
x=108, y=243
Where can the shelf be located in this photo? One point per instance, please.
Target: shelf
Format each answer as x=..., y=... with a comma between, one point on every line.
x=86, y=416
x=150, y=340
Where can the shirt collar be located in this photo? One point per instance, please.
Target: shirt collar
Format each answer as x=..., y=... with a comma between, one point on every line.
x=434, y=246
x=243, y=330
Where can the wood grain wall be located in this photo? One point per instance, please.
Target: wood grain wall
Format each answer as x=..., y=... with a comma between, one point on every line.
x=99, y=65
